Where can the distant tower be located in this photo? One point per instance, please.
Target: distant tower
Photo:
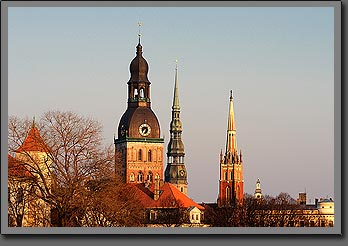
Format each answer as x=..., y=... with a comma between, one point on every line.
x=302, y=198
x=258, y=191
x=139, y=147
x=231, y=184
x=175, y=172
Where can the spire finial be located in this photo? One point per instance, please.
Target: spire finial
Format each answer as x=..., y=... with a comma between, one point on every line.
x=34, y=123
x=139, y=33
x=176, y=64
x=231, y=96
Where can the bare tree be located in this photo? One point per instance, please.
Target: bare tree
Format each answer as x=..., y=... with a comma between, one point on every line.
x=111, y=203
x=74, y=155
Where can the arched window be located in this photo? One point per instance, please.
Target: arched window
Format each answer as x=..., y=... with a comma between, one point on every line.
x=131, y=177
x=225, y=175
x=140, y=177
x=135, y=92
x=150, y=176
x=140, y=155
x=228, y=194
x=149, y=156
x=181, y=189
x=141, y=93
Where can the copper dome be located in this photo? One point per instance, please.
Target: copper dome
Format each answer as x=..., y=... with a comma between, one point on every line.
x=139, y=67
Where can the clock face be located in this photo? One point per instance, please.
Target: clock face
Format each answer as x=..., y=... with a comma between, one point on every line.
x=144, y=129
x=182, y=172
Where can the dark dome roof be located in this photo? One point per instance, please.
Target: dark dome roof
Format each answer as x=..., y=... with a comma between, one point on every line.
x=134, y=117
x=139, y=66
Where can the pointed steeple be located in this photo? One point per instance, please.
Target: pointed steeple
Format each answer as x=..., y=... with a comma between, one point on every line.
x=231, y=184
x=231, y=143
x=176, y=106
x=175, y=172
x=33, y=141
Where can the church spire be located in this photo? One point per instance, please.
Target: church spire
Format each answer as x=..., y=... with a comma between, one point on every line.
x=175, y=172
x=176, y=105
x=231, y=143
x=231, y=184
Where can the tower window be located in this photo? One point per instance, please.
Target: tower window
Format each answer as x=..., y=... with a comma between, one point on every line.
x=228, y=194
x=140, y=177
x=225, y=175
x=140, y=155
x=181, y=189
x=131, y=177
x=135, y=92
x=141, y=93
x=149, y=176
x=149, y=156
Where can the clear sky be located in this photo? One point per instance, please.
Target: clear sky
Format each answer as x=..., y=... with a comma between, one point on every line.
x=279, y=62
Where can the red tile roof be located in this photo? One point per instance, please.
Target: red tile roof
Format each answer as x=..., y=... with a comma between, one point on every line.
x=33, y=142
x=170, y=197
x=17, y=169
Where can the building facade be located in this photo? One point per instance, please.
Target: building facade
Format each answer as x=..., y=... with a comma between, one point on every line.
x=231, y=183
x=175, y=172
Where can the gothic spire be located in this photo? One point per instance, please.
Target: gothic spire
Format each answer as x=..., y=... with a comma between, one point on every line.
x=231, y=144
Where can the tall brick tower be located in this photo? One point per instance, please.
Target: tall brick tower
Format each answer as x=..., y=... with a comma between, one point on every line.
x=139, y=147
x=231, y=184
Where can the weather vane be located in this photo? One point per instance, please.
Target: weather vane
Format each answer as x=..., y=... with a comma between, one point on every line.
x=139, y=25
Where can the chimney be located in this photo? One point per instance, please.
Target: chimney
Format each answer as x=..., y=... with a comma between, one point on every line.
x=156, y=192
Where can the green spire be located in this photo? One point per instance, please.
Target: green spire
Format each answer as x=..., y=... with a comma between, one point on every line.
x=176, y=105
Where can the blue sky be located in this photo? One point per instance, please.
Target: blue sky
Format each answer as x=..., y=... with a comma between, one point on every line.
x=279, y=62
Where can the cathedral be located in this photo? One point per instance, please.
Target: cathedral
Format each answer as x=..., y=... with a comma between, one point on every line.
x=139, y=149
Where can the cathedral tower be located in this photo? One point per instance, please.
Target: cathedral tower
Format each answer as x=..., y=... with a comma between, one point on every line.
x=139, y=147
x=176, y=171
x=231, y=184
